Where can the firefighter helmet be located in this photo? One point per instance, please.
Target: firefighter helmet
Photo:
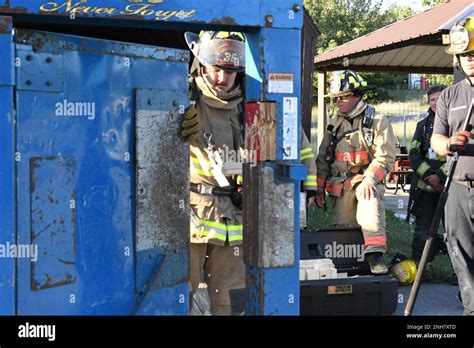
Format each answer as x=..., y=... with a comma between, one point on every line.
x=403, y=269
x=219, y=49
x=461, y=37
x=349, y=83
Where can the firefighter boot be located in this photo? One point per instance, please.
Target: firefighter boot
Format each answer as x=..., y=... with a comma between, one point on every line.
x=377, y=263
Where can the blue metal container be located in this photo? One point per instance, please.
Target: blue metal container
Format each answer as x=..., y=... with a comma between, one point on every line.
x=85, y=129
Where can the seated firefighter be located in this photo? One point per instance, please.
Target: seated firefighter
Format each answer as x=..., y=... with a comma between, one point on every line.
x=214, y=128
x=356, y=153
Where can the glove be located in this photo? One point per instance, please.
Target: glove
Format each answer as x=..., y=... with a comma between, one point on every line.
x=310, y=197
x=190, y=123
x=458, y=141
x=434, y=181
x=236, y=196
x=321, y=199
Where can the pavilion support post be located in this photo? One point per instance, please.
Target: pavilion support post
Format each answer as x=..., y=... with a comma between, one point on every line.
x=322, y=117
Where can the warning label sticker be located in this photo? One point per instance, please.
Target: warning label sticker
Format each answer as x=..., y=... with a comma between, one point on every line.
x=280, y=83
x=290, y=128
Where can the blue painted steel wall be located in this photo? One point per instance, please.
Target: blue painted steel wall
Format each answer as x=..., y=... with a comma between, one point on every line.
x=7, y=165
x=197, y=12
x=76, y=174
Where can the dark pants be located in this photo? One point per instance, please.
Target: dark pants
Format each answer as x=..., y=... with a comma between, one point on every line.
x=424, y=209
x=460, y=229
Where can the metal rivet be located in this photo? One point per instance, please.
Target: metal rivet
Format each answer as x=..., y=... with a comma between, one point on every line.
x=29, y=82
x=150, y=102
x=49, y=60
x=49, y=83
x=296, y=7
x=288, y=193
x=29, y=57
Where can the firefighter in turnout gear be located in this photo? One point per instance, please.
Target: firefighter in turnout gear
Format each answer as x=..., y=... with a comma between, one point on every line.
x=428, y=180
x=214, y=129
x=355, y=155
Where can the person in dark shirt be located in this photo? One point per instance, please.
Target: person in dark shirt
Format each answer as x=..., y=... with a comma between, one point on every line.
x=448, y=137
x=427, y=183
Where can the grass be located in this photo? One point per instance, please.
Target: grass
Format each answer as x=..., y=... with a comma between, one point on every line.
x=399, y=235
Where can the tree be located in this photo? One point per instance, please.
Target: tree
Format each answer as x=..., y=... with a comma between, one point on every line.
x=396, y=13
x=437, y=79
x=340, y=21
x=431, y=3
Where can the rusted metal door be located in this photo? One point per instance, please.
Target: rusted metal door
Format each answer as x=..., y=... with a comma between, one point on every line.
x=101, y=177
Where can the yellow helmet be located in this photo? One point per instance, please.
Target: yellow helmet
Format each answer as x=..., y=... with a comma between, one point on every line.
x=349, y=82
x=404, y=271
x=461, y=37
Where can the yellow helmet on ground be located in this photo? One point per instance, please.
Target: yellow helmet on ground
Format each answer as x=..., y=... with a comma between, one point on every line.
x=461, y=37
x=404, y=270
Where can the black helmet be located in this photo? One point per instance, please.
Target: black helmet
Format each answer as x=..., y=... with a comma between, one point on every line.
x=349, y=82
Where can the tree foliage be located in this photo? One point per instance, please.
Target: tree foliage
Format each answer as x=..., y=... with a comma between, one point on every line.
x=431, y=3
x=340, y=21
x=437, y=79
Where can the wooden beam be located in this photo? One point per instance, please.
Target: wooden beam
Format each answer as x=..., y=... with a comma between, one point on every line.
x=322, y=119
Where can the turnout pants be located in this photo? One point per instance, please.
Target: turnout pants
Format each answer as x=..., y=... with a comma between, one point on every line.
x=224, y=273
x=424, y=209
x=352, y=210
x=459, y=219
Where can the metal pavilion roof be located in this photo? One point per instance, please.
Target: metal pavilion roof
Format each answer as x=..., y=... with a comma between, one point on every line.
x=410, y=45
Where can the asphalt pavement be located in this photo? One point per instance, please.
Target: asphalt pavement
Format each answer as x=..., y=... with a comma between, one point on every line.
x=432, y=299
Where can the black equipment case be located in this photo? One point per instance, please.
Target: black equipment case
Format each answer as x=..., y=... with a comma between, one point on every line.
x=359, y=294
x=345, y=247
